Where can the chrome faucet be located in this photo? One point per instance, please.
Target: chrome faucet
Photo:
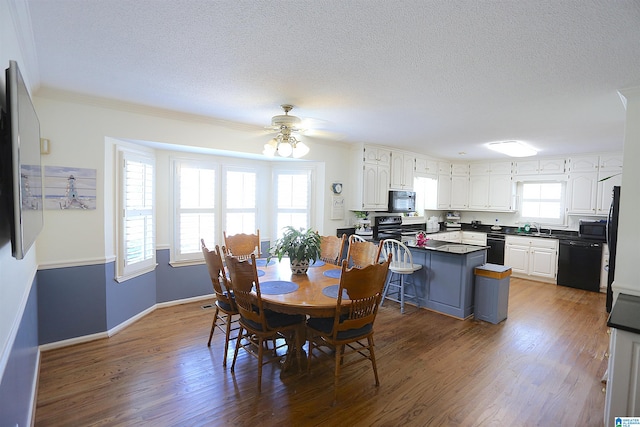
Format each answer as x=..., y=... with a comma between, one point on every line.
x=537, y=226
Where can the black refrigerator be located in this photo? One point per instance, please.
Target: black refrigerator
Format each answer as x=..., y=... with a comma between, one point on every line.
x=612, y=241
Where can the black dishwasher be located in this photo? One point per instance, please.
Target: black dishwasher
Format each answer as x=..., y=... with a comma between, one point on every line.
x=579, y=264
x=495, y=254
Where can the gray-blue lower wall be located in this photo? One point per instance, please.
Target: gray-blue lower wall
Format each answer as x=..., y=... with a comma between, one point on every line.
x=20, y=373
x=85, y=300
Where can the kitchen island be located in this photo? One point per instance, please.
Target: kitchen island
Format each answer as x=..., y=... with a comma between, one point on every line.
x=445, y=282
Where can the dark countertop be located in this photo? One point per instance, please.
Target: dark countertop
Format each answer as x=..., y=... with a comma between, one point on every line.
x=448, y=247
x=625, y=314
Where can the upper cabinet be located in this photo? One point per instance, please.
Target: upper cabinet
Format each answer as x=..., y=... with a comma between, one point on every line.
x=372, y=179
x=540, y=167
x=491, y=186
x=591, y=180
x=402, y=167
x=426, y=166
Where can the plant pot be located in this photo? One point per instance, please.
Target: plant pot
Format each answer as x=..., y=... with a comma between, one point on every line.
x=299, y=267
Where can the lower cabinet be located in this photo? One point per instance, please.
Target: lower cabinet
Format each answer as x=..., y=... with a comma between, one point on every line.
x=446, y=281
x=531, y=257
x=623, y=384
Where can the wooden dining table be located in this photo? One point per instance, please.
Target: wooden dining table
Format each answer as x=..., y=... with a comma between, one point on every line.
x=309, y=298
x=304, y=294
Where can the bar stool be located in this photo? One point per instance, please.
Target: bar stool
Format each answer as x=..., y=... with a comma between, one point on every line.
x=401, y=266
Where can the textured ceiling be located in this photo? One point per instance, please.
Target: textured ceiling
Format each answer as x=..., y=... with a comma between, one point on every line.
x=437, y=77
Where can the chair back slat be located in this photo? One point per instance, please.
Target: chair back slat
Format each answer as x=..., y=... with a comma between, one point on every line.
x=244, y=278
x=362, y=253
x=331, y=248
x=401, y=254
x=243, y=245
x=221, y=286
x=363, y=287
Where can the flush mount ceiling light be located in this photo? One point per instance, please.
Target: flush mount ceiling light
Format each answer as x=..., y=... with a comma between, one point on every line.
x=513, y=148
x=285, y=144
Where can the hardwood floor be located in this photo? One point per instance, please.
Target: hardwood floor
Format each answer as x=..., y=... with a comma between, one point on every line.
x=540, y=367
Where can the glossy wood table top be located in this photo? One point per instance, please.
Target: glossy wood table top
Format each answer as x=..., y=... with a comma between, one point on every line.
x=308, y=298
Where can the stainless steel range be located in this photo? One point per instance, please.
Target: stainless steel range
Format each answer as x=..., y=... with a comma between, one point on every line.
x=390, y=227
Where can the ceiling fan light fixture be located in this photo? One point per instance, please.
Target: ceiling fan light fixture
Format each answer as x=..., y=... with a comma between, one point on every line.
x=285, y=143
x=284, y=149
x=512, y=148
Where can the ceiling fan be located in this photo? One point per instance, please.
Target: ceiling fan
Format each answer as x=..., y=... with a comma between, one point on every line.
x=286, y=143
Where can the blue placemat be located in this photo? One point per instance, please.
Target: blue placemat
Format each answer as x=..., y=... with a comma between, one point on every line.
x=262, y=262
x=317, y=263
x=331, y=291
x=261, y=273
x=334, y=274
x=277, y=287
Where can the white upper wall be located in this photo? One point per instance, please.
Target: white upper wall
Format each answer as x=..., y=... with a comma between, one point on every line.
x=78, y=130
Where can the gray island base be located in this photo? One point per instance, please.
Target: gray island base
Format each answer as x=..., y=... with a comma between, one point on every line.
x=445, y=283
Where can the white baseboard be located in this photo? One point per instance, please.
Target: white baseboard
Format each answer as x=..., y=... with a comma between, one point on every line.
x=111, y=332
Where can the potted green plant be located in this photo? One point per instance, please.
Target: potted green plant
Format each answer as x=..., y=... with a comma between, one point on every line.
x=301, y=246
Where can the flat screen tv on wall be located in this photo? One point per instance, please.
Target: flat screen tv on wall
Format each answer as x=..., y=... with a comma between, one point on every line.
x=21, y=167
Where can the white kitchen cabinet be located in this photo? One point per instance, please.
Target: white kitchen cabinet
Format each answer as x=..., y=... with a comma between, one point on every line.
x=501, y=192
x=372, y=178
x=444, y=168
x=540, y=167
x=460, y=169
x=375, y=188
x=459, y=191
x=584, y=163
x=477, y=238
x=479, y=192
x=491, y=186
x=444, y=191
x=591, y=180
x=531, y=257
x=623, y=383
x=447, y=236
x=605, y=193
x=426, y=166
x=377, y=156
x=402, y=166
x=582, y=190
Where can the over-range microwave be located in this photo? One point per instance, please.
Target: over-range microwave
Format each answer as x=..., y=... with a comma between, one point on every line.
x=593, y=229
x=402, y=201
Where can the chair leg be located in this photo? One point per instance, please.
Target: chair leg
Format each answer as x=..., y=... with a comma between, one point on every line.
x=386, y=289
x=402, y=294
x=213, y=326
x=260, y=353
x=235, y=353
x=373, y=359
x=339, y=355
x=226, y=341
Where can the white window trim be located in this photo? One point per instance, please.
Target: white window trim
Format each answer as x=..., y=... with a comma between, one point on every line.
x=175, y=257
x=126, y=272
x=538, y=220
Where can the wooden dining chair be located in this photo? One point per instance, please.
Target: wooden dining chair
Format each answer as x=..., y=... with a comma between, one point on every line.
x=257, y=324
x=362, y=253
x=331, y=248
x=401, y=268
x=345, y=334
x=242, y=245
x=226, y=311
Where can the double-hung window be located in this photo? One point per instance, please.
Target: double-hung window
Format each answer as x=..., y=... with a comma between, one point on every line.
x=293, y=199
x=136, y=218
x=240, y=201
x=543, y=202
x=194, y=213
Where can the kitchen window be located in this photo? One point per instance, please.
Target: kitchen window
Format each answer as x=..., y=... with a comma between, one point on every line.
x=542, y=202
